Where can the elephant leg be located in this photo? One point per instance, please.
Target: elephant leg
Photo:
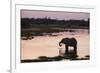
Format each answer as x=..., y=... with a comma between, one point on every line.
x=75, y=50
x=66, y=49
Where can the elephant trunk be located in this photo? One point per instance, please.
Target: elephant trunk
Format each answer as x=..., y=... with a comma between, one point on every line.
x=60, y=44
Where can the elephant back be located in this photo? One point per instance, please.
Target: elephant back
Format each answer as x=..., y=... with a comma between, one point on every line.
x=70, y=41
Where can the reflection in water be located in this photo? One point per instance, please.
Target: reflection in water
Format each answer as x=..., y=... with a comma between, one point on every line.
x=48, y=45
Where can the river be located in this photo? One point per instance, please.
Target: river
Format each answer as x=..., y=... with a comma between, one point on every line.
x=49, y=45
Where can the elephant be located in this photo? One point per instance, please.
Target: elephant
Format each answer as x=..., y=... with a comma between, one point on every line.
x=69, y=42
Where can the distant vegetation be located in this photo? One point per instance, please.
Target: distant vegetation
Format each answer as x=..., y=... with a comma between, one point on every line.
x=45, y=22
x=38, y=26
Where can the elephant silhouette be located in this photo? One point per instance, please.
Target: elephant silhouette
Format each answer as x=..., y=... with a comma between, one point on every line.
x=69, y=42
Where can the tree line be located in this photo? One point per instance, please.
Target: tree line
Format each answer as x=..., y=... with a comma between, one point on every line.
x=37, y=22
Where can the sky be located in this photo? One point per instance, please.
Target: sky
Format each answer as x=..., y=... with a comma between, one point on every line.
x=60, y=15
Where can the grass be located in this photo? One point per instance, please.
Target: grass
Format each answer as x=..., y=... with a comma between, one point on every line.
x=40, y=32
x=55, y=58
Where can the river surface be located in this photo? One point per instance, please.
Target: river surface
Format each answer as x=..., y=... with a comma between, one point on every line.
x=49, y=45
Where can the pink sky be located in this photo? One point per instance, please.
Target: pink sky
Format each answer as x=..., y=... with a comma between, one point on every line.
x=54, y=14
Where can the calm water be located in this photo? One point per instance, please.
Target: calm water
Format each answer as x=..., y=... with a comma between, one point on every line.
x=49, y=45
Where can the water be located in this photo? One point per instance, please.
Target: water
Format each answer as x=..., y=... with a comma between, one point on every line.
x=49, y=45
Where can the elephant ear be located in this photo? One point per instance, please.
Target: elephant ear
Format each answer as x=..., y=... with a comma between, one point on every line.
x=64, y=40
x=72, y=38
